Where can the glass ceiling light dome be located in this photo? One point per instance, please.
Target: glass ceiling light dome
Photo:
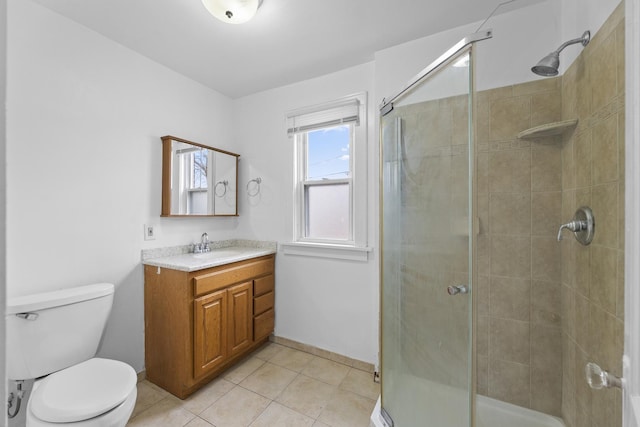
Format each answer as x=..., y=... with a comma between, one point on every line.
x=232, y=11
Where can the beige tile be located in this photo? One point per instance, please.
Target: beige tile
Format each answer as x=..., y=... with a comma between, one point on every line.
x=545, y=258
x=536, y=86
x=606, y=336
x=291, y=359
x=568, y=165
x=510, y=213
x=605, y=150
x=546, y=107
x=482, y=291
x=278, y=415
x=580, y=268
x=243, y=370
x=320, y=424
x=546, y=303
x=583, y=90
x=602, y=64
x=620, y=287
x=238, y=408
x=148, y=395
x=582, y=391
x=510, y=170
x=326, y=371
x=511, y=256
x=360, y=382
x=620, y=56
x=482, y=371
x=546, y=390
x=483, y=173
x=268, y=351
x=167, y=413
x=198, y=422
x=603, y=408
x=582, y=313
x=509, y=340
x=509, y=116
x=206, y=396
x=546, y=166
x=482, y=341
x=307, y=395
x=509, y=382
x=568, y=310
x=510, y=298
x=546, y=213
x=604, y=203
x=604, y=279
x=582, y=157
x=347, y=409
x=268, y=380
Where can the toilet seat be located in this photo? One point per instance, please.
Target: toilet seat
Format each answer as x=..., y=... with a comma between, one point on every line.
x=83, y=391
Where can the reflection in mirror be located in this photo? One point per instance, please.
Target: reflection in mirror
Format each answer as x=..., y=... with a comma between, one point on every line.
x=197, y=180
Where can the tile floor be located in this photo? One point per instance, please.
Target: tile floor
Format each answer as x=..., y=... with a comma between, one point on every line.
x=275, y=386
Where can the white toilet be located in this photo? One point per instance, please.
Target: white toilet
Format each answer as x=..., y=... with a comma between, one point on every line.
x=53, y=337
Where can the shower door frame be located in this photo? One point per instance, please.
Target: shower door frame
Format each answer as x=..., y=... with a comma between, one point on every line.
x=386, y=107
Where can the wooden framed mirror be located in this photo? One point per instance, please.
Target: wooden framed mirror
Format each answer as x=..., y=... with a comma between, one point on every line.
x=198, y=180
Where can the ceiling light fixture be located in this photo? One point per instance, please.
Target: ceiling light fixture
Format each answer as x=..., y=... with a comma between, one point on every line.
x=232, y=11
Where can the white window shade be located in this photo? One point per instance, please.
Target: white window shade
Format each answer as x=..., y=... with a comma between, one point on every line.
x=323, y=116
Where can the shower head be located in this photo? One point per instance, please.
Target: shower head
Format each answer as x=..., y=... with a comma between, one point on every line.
x=548, y=66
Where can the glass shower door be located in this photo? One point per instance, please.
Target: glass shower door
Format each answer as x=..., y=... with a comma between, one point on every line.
x=426, y=172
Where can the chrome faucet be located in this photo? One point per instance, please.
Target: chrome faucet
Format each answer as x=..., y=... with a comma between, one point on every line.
x=582, y=225
x=203, y=246
x=204, y=242
x=574, y=226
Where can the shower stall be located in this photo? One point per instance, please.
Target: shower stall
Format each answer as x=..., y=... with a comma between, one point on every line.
x=434, y=267
x=486, y=318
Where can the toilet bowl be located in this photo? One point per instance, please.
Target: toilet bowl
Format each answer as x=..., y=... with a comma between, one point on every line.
x=53, y=337
x=94, y=393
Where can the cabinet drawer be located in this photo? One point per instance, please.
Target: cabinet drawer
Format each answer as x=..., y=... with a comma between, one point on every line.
x=263, y=325
x=263, y=303
x=226, y=275
x=263, y=285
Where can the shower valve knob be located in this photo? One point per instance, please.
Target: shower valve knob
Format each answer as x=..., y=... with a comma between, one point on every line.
x=597, y=378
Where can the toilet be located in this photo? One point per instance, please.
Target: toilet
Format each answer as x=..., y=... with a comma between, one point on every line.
x=53, y=337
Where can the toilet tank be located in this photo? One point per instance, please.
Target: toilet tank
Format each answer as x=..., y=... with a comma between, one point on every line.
x=50, y=331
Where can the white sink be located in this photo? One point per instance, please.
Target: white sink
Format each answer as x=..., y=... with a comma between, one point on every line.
x=218, y=253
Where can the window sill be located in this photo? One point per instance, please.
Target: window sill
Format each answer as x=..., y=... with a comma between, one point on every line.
x=321, y=250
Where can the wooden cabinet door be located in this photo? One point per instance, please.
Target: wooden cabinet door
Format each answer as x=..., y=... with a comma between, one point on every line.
x=240, y=317
x=210, y=332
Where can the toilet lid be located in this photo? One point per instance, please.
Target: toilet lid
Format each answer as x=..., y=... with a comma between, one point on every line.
x=83, y=391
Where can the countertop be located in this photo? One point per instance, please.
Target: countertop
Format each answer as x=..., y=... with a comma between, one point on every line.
x=225, y=252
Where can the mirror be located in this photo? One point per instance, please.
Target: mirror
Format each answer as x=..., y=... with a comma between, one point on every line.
x=198, y=180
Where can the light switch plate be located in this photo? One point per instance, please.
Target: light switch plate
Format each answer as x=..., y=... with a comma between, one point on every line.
x=149, y=232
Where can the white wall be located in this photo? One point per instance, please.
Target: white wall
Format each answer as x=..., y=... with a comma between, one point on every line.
x=3, y=239
x=84, y=121
x=520, y=38
x=331, y=304
x=577, y=17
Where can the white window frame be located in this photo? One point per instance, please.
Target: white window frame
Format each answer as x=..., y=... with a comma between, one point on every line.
x=354, y=248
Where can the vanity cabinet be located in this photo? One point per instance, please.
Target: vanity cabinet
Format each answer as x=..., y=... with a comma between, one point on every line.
x=197, y=324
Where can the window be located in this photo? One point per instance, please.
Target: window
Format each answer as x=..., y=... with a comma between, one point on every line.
x=330, y=173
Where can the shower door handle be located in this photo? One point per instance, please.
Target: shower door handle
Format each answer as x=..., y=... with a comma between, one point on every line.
x=457, y=289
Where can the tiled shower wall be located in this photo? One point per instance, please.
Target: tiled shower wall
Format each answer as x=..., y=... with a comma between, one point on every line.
x=519, y=203
x=593, y=175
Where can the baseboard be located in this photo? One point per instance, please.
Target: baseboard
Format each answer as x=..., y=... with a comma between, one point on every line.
x=354, y=363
